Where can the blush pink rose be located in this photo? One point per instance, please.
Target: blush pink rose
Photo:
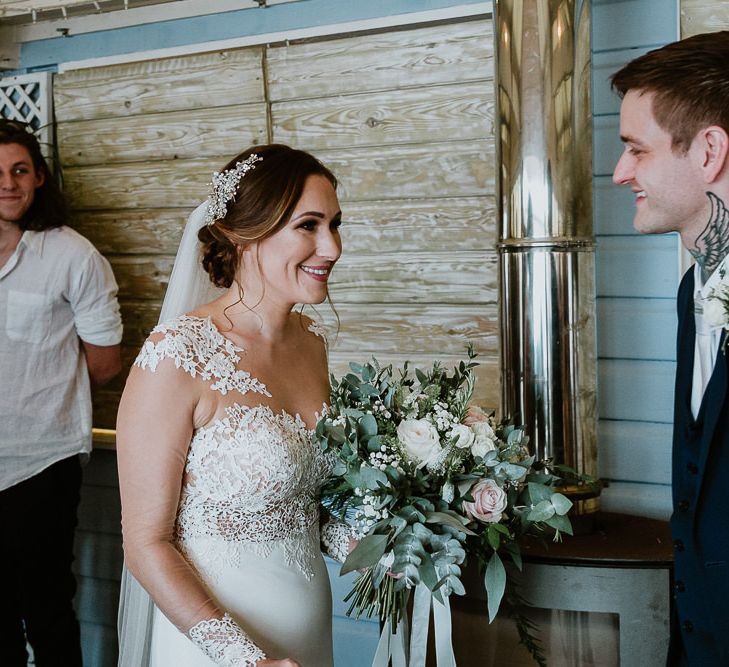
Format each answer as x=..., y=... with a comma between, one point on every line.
x=489, y=502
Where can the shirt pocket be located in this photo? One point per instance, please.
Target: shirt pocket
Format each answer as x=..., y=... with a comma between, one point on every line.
x=28, y=317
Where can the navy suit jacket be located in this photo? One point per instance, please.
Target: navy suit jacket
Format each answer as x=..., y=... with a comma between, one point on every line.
x=700, y=520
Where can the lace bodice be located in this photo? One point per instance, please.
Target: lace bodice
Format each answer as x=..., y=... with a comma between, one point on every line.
x=252, y=477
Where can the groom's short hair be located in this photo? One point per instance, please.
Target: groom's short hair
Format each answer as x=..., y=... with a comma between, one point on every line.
x=690, y=83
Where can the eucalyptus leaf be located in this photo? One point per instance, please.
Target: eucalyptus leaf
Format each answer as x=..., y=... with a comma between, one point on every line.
x=495, y=583
x=372, y=478
x=542, y=511
x=427, y=572
x=561, y=504
x=539, y=492
x=561, y=523
x=369, y=550
x=448, y=520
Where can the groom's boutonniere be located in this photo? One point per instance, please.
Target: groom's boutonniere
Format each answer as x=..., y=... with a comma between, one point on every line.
x=716, y=306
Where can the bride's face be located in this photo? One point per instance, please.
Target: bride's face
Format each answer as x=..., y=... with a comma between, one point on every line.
x=296, y=262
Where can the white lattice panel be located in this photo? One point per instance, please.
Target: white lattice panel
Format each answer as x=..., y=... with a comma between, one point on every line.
x=28, y=98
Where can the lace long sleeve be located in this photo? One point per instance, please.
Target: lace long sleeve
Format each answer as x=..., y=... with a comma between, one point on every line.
x=154, y=431
x=225, y=643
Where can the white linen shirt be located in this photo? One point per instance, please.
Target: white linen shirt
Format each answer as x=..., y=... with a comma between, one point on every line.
x=708, y=338
x=54, y=289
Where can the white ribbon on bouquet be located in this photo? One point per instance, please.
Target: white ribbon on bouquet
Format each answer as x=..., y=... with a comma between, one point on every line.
x=393, y=645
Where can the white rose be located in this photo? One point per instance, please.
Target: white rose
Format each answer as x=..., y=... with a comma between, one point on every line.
x=715, y=312
x=489, y=502
x=484, y=440
x=464, y=436
x=420, y=440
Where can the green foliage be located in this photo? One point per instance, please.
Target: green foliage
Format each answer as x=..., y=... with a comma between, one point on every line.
x=413, y=513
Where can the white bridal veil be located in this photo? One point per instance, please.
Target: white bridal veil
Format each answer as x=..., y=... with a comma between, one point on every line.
x=189, y=287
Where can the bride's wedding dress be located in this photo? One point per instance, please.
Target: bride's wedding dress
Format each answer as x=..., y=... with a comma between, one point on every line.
x=247, y=520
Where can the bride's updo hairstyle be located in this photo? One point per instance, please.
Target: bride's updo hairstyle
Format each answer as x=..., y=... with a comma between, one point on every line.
x=264, y=201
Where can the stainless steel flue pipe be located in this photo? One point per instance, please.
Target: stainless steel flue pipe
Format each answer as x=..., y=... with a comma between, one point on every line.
x=546, y=246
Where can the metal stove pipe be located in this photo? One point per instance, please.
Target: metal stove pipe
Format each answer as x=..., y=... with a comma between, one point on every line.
x=546, y=246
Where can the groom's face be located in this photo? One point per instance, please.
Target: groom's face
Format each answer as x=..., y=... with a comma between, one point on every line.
x=297, y=261
x=667, y=183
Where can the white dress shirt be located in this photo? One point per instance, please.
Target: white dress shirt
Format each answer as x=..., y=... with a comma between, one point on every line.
x=54, y=289
x=708, y=338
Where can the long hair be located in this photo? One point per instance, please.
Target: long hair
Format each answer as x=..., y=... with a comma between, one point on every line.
x=49, y=208
x=690, y=83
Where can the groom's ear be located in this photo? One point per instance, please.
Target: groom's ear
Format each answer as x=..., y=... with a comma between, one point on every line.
x=713, y=148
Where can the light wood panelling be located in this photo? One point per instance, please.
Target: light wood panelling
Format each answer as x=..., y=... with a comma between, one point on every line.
x=415, y=171
x=699, y=16
x=189, y=82
x=406, y=125
x=384, y=226
x=169, y=136
x=420, y=115
x=424, y=277
x=126, y=231
x=454, y=224
x=453, y=53
x=142, y=276
x=143, y=185
x=365, y=174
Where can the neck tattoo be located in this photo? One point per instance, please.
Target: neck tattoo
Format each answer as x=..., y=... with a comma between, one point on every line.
x=712, y=245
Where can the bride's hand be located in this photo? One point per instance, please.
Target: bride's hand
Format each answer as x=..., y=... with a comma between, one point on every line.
x=286, y=662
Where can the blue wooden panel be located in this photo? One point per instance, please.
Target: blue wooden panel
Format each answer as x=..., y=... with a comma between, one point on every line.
x=354, y=643
x=636, y=328
x=607, y=146
x=651, y=500
x=97, y=600
x=98, y=555
x=604, y=65
x=100, y=509
x=98, y=645
x=635, y=451
x=225, y=25
x=613, y=207
x=631, y=23
x=636, y=390
x=101, y=469
x=637, y=266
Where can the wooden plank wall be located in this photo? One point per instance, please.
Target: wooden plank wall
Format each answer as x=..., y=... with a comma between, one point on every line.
x=699, y=16
x=405, y=120
x=412, y=144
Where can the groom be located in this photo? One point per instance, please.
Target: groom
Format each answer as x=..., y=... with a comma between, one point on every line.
x=674, y=122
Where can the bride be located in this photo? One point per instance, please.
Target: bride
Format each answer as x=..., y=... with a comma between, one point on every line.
x=218, y=471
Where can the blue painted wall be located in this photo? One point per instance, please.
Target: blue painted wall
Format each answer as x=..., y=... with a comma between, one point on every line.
x=45, y=53
x=637, y=278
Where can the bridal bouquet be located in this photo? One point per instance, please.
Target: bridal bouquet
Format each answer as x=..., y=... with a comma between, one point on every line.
x=428, y=482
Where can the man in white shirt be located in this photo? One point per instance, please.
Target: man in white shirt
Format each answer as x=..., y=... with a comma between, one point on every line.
x=59, y=332
x=674, y=122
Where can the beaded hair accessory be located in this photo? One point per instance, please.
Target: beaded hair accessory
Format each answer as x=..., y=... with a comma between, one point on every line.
x=224, y=186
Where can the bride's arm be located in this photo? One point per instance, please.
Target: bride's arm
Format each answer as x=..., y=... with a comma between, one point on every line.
x=155, y=426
